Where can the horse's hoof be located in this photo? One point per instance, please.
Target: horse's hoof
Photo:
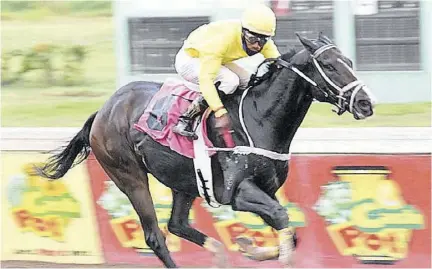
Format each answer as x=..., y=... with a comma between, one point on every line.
x=244, y=243
x=220, y=257
x=286, y=248
x=255, y=252
x=286, y=257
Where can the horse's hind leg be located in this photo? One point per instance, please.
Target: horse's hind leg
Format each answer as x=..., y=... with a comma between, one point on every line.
x=132, y=180
x=179, y=225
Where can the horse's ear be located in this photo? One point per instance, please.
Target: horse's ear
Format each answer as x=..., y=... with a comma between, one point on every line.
x=308, y=44
x=324, y=38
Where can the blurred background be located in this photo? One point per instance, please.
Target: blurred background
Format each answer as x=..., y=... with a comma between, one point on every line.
x=62, y=59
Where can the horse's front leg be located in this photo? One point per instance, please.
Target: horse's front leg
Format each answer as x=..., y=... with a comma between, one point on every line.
x=250, y=198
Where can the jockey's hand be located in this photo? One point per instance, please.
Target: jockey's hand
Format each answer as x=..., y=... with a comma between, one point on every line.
x=224, y=128
x=223, y=122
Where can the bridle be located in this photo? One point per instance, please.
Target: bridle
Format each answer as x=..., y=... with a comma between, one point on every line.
x=341, y=101
x=355, y=85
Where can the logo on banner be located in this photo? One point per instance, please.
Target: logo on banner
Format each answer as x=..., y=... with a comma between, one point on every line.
x=366, y=214
x=41, y=206
x=232, y=224
x=125, y=221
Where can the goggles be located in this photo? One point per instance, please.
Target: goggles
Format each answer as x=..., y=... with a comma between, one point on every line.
x=252, y=37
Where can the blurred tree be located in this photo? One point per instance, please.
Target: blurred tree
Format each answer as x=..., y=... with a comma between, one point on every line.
x=11, y=6
x=73, y=60
x=59, y=65
x=8, y=75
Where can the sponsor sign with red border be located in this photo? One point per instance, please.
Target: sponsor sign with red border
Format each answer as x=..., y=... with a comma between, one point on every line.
x=348, y=211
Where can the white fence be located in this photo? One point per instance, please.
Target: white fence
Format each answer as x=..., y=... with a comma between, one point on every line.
x=307, y=140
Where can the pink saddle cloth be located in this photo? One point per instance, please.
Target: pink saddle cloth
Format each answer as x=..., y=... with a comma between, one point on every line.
x=162, y=114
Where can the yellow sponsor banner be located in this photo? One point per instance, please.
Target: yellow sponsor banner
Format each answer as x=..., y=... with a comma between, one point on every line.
x=367, y=216
x=43, y=220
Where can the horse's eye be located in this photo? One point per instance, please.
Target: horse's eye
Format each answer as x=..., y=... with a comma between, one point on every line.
x=330, y=67
x=363, y=104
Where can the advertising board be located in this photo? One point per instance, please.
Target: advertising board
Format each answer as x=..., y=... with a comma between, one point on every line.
x=347, y=210
x=43, y=220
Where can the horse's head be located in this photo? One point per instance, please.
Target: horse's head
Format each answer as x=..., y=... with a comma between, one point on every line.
x=334, y=79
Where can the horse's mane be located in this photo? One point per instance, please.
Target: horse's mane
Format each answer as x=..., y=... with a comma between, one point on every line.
x=274, y=67
x=289, y=55
x=293, y=56
x=286, y=57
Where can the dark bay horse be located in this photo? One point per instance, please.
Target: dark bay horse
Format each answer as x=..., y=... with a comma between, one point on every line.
x=270, y=113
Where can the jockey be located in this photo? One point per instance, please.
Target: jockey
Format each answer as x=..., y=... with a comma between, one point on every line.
x=206, y=59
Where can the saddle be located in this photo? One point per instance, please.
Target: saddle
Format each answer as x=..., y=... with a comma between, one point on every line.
x=162, y=114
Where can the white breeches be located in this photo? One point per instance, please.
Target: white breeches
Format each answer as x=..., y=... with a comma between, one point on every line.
x=230, y=75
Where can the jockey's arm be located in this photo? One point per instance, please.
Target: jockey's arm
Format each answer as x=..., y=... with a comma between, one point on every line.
x=270, y=50
x=210, y=66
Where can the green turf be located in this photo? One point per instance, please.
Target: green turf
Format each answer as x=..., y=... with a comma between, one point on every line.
x=386, y=115
x=61, y=106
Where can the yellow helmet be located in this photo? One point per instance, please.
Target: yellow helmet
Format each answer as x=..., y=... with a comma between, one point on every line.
x=259, y=19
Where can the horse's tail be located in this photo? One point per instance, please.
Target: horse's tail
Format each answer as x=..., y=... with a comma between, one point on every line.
x=74, y=153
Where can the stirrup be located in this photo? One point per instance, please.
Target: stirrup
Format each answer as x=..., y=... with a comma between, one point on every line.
x=182, y=127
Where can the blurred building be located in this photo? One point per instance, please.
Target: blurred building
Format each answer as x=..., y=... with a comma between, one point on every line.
x=390, y=42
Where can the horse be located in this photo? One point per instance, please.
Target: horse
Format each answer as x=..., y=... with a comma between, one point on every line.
x=265, y=118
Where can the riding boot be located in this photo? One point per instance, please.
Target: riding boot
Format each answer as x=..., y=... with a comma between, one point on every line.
x=184, y=125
